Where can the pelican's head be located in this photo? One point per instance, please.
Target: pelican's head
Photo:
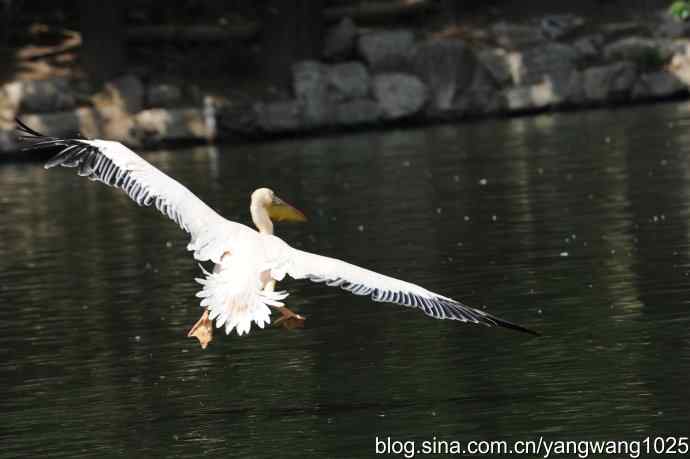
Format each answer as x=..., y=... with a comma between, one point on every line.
x=276, y=208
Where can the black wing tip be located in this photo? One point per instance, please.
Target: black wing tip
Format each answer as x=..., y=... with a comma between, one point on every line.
x=38, y=140
x=510, y=325
x=470, y=314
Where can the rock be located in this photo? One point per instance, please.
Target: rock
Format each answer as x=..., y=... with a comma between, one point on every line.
x=515, y=36
x=126, y=92
x=8, y=141
x=558, y=26
x=349, y=80
x=481, y=97
x=609, y=82
x=446, y=66
x=51, y=95
x=310, y=81
x=555, y=61
x=61, y=124
x=357, y=111
x=386, y=50
x=646, y=52
x=115, y=123
x=340, y=40
x=658, y=85
x=503, y=66
x=10, y=100
x=533, y=97
x=616, y=30
x=574, y=93
x=237, y=118
x=671, y=27
x=477, y=101
x=163, y=95
x=115, y=105
x=680, y=67
x=280, y=117
x=161, y=125
x=399, y=95
x=589, y=47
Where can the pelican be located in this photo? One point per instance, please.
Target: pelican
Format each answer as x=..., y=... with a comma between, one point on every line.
x=247, y=262
x=265, y=207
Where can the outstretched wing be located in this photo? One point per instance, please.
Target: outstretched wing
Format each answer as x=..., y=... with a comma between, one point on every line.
x=337, y=273
x=116, y=165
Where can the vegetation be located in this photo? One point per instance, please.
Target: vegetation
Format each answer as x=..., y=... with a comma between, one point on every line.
x=680, y=9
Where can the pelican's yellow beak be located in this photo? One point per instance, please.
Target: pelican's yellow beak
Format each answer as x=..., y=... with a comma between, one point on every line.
x=280, y=210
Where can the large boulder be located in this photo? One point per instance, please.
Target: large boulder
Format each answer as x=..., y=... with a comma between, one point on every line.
x=478, y=101
x=559, y=26
x=115, y=104
x=608, y=82
x=280, y=116
x=481, y=97
x=670, y=27
x=659, y=84
x=399, y=95
x=516, y=36
x=310, y=81
x=237, y=118
x=503, y=66
x=680, y=66
x=126, y=92
x=446, y=66
x=648, y=52
x=349, y=80
x=589, y=46
x=162, y=125
x=613, y=31
x=10, y=100
x=163, y=95
x=554, y=61
x=532, y=97
x=51, y=95
x=357, y=112
x=64, y=124
x=8, y=141
x=340, y=40
x=386, y=50
x=547, y=94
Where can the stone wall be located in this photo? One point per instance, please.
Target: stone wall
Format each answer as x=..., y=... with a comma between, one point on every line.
x=370, y=77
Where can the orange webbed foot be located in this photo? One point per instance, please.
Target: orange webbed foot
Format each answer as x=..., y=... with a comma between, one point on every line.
x=202, y=330
x=289, y=319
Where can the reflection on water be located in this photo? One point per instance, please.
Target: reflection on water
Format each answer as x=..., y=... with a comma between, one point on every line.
x=572, y=224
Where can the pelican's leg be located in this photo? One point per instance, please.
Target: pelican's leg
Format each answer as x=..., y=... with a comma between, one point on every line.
x=289, y=319
x=202, y=330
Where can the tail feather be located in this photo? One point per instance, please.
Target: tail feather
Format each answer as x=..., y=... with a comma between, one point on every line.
x=235, y=304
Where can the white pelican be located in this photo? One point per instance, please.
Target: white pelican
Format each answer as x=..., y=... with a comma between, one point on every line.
x=264, y=207
x=247, y=260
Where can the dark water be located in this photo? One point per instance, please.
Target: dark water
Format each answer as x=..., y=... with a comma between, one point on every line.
x=575, y=225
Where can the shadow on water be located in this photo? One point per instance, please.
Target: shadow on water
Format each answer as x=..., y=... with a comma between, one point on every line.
x=572, y=224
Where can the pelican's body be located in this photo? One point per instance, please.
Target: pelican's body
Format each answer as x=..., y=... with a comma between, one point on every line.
x=247, y=262
x=264, y=206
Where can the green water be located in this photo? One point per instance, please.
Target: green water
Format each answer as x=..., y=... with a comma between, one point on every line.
x=575, y=225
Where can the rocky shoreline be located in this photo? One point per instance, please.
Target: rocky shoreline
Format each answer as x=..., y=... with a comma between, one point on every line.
x=376, y=78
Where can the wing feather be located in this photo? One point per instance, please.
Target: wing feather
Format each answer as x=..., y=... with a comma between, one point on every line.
x=299, y=264
x=116, y=165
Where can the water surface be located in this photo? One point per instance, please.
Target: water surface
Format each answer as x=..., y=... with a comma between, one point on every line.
x=572, y=224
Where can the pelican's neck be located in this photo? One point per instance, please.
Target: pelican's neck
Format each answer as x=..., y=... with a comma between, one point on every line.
x=261, y=219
